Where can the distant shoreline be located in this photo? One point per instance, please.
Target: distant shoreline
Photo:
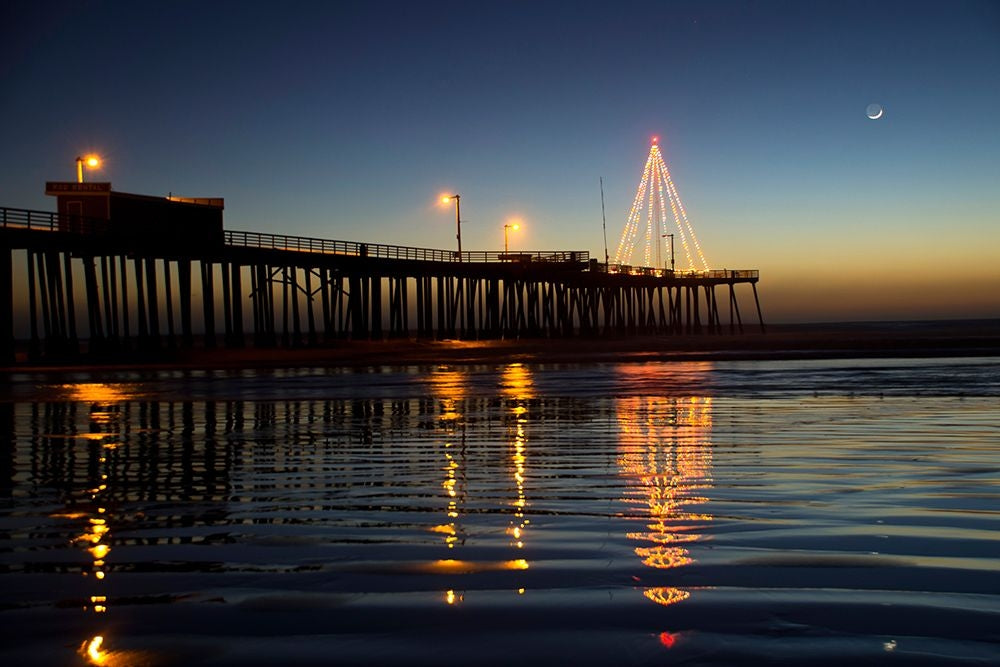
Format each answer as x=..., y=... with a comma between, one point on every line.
x=785, y=341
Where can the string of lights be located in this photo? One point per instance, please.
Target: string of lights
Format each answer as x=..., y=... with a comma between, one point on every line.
x=656, y=190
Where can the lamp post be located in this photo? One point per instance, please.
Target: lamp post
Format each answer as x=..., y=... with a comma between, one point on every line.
x=671, y=251
x=515, y=227
x=91, y=161
x=458, y=219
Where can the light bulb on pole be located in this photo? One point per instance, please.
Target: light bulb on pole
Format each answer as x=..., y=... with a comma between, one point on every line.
x=90, y=161
x=511, y=225
x=671, y=251
x=458, y=219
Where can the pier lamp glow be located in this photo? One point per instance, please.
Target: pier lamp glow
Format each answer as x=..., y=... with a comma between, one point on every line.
x=90, y=161
x=458, y=219
x=513, y=224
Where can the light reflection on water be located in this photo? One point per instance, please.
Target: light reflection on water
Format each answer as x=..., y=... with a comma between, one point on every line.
x=147, y=530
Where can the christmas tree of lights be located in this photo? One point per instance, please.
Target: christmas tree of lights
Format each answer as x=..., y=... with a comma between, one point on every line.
x=656, y=189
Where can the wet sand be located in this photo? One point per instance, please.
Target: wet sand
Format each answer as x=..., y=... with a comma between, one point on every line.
x=789, y=341
x=772, y=512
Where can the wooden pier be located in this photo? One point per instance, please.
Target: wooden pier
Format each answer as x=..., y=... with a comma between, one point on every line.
x=73, y=286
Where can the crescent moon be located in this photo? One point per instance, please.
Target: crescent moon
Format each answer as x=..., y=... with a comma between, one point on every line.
x=878, y=115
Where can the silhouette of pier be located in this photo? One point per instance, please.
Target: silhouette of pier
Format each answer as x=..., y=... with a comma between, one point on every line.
x=167, y=275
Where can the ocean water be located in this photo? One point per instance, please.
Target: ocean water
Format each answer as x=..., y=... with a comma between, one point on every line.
x=702, y=513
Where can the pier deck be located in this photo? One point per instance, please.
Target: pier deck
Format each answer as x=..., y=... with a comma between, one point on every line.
x=73, y=285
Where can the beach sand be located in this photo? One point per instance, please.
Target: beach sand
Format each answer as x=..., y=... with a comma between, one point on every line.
x=788, y=341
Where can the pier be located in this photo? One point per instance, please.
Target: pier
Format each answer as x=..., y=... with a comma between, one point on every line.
x=138, y=279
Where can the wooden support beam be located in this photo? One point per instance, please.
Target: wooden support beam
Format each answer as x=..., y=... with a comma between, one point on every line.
x=406, y=306
x=442, y=308
x=184, y=289
x=94, y=328
x=760, y=317
x=140, y=301
x=355, y=307
x=227, y=304
x=375, y=293
x=310, y=316
x=152, y=298
x=168, y=303
x=208, y=301
x=285, y=335
x=34, y=342
x=126, y=320
x=324, y=296
x=50, y=304
x=734, y=308
x=7, y=351
x=294, y=291
x=236, y=284
x=108, y=301
x=70, y=302
x=116, y=330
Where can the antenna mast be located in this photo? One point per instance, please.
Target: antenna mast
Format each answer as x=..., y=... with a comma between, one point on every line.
x=604, y=223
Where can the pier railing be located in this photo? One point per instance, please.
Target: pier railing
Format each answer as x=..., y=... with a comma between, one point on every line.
x=384, y=251
x=17, y=218
x=671, y=273
x=22, y=218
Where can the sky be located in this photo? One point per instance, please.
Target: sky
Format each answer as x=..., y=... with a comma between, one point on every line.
x=348, y=120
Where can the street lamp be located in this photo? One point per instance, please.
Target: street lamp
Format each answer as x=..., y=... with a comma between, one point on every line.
x=91, y=161
x=511, y=225
x=458, y=219
x=671, y=251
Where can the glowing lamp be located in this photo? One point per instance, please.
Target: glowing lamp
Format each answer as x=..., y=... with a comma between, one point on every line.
x=90, y=161
x=458, y=219
x=510, y=225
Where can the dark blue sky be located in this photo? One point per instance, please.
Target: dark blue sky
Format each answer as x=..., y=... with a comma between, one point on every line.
x=346, y=120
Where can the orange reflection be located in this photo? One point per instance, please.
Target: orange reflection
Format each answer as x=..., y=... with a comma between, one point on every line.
x=666, y=596
x=668, y=639
x=98, y=392
x=516, y=528
x=95, y=538
x=453, y=566
x=92, y=650
x=518, y=384
x=666, y=458
x=449, y=389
